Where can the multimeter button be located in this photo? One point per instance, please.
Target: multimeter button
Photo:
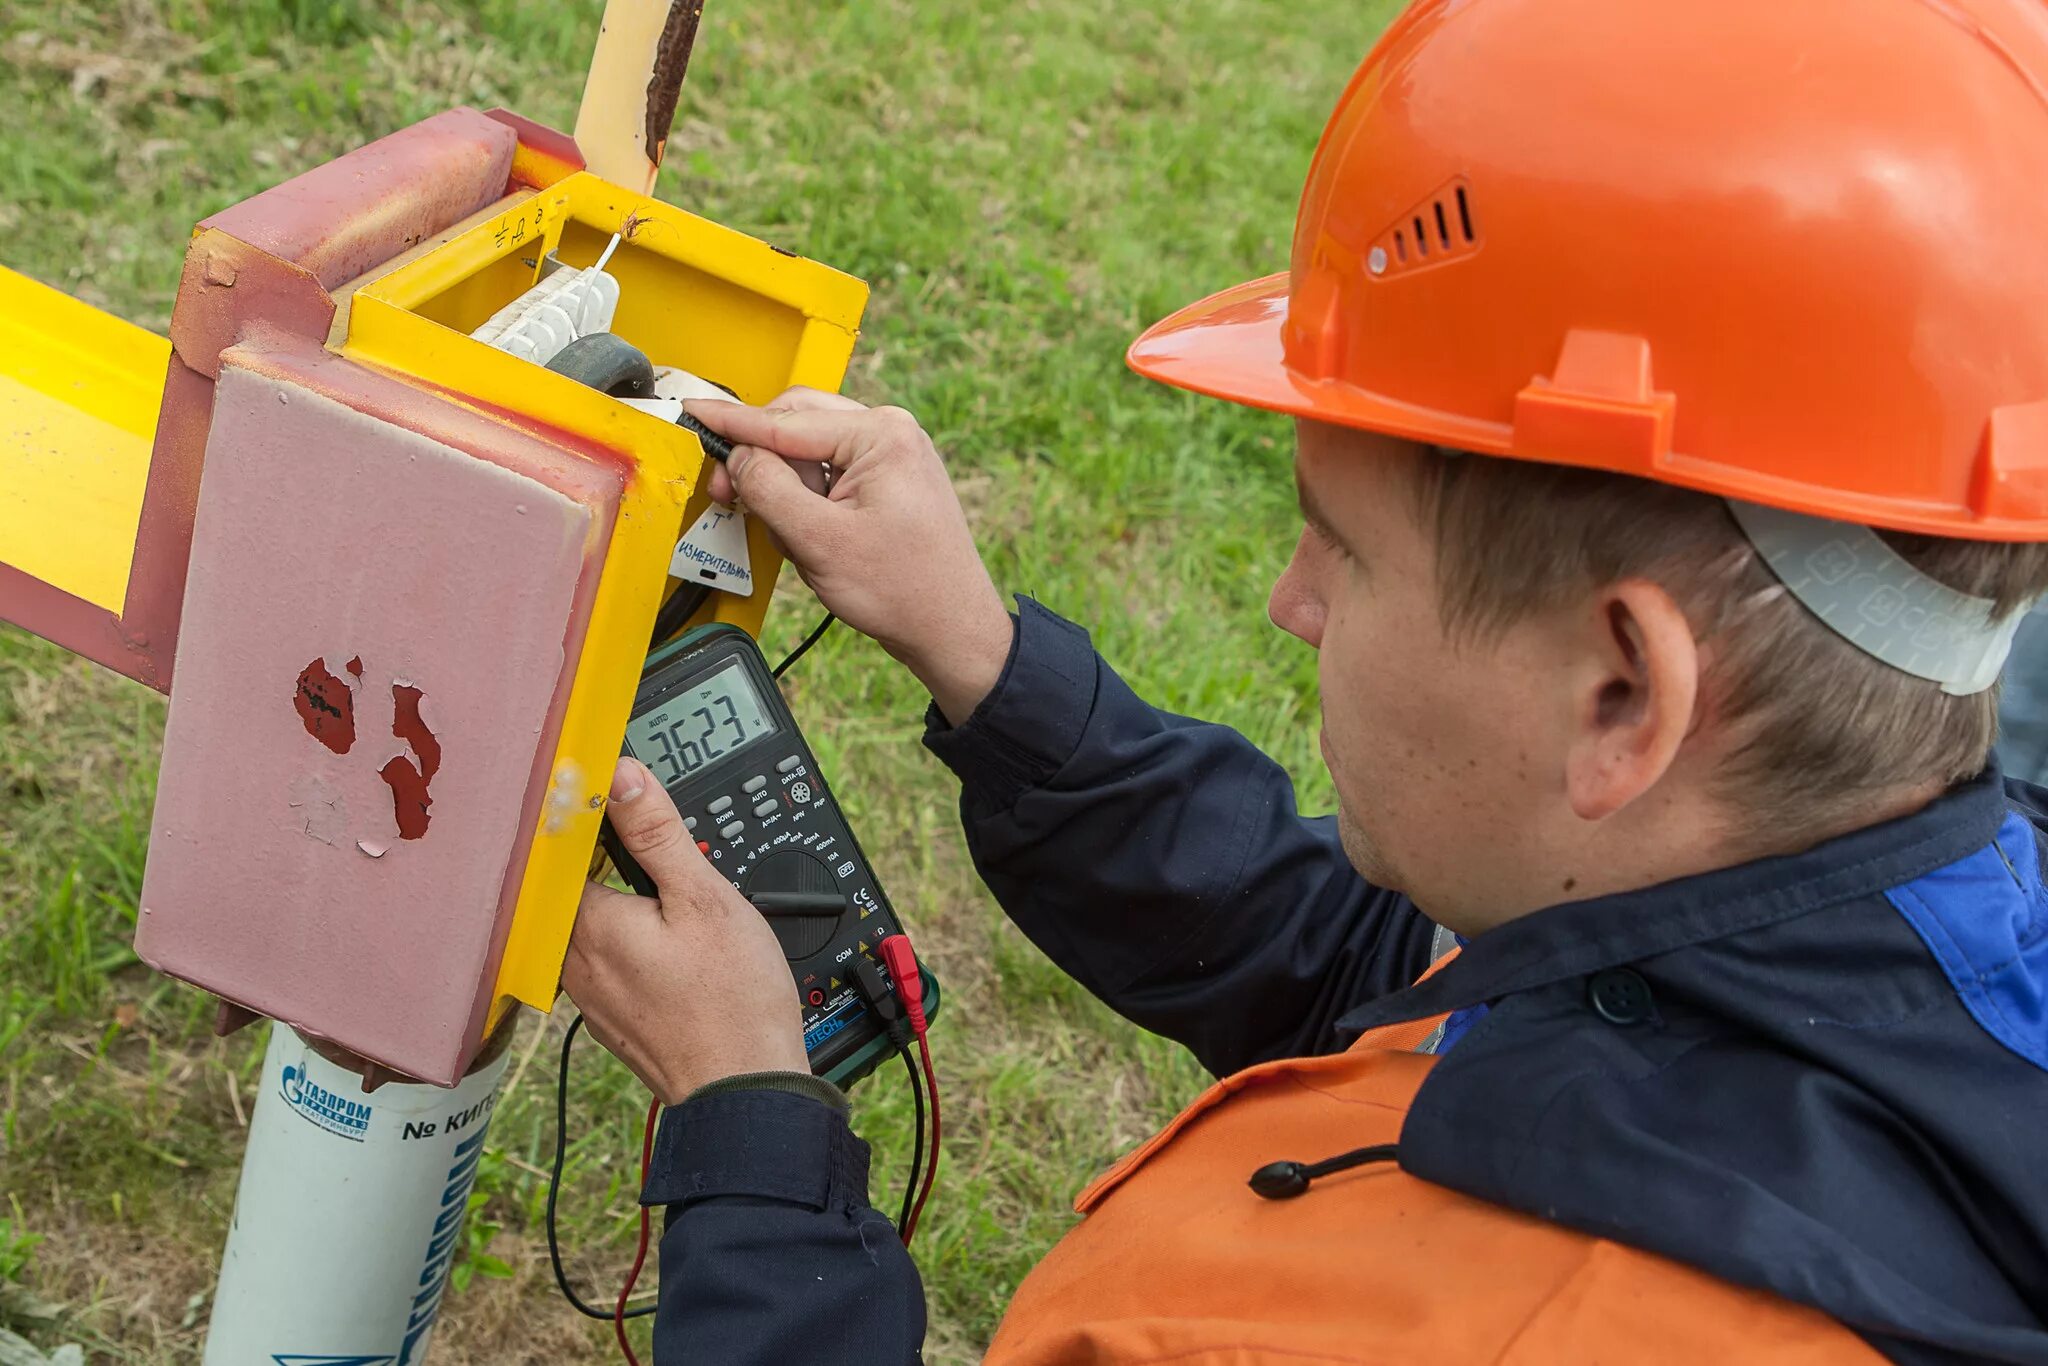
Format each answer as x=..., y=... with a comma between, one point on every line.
x=689, y=822
x=794, y=761
x=766, y=808
x=720, y=807
x=753, y=785
x=733, y=831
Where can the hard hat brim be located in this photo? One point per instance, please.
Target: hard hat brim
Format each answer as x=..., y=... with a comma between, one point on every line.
x=1229, y=346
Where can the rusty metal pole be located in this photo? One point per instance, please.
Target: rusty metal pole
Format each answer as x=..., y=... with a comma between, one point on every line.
x=636, y=80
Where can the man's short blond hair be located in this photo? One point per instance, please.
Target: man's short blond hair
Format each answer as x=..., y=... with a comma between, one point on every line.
x=1821, y=726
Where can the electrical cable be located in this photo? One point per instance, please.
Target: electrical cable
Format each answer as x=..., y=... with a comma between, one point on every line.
x=907, y=980
x=917, y=1150
x=677, y=611
x=619, y=1314
x=931, y=1171
x=555, y=1186
x=803, y=647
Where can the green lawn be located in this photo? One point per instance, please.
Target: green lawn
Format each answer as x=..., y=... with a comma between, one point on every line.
x=1025, y=185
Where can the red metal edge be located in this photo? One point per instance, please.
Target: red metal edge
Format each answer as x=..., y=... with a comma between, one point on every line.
x=79, y=626
x=366, y=206
x=543, y=155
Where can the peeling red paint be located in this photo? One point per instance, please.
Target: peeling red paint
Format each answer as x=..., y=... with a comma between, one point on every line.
x=409, y=799
x=408, y=726
x=326, y=706
x=355, y=666
x=408, y=783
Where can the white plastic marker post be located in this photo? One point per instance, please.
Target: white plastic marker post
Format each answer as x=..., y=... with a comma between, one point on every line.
x=350, y=1212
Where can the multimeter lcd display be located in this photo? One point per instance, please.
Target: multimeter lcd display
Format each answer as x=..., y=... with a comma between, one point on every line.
x=718, y=716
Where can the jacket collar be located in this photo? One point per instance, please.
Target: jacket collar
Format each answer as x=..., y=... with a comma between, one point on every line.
x=1581, y=937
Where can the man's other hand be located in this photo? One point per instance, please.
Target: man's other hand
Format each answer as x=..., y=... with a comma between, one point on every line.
x=689, y=986
x=887, y=547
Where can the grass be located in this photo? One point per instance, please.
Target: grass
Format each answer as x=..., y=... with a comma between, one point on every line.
x=1025, y=184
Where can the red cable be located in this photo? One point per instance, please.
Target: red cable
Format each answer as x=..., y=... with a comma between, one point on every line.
x=909, y=982
x=646, y=1228
x=931, y=1171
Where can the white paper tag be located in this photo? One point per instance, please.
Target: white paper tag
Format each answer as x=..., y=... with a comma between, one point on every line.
x=666, y=409
x=714, y=551
x=670, y=382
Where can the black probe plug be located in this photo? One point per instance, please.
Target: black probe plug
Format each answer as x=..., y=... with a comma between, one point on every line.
x=715, y=446
x=875, y=990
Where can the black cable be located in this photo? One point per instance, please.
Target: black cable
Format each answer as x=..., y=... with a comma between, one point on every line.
x=804, y=646
x=715, y=446
x=555, y=1186
x=677, y=611
x=917, y=1152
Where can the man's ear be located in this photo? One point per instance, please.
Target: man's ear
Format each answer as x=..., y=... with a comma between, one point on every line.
x=1635, y=697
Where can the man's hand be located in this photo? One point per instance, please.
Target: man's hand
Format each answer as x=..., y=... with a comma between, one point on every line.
x=887, y=548
x=688, y=987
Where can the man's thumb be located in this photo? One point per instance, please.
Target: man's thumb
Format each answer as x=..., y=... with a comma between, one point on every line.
x=648, y=824
x=772, y=490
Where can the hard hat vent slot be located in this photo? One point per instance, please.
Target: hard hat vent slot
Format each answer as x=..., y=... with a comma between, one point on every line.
x=1435, y=232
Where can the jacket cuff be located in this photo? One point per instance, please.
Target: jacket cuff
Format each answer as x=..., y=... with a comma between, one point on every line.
x=1031, y=722
x=771, y=1145
x=791, y=1083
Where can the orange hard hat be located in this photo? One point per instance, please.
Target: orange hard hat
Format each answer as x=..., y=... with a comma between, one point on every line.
x=1787, y=251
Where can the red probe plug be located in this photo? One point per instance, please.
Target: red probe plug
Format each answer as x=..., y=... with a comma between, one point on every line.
x=902, y=963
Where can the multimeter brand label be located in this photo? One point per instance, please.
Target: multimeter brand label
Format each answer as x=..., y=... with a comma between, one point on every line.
x=825, y=1029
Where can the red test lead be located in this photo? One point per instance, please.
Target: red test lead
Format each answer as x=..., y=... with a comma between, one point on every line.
x=901, y=960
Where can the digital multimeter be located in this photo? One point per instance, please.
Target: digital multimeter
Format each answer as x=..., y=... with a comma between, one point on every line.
x=711, y=724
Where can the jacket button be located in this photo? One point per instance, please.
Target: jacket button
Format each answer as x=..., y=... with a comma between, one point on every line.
x=1620, y=996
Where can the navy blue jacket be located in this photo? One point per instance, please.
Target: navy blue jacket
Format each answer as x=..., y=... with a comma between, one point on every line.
x=1824, y=1075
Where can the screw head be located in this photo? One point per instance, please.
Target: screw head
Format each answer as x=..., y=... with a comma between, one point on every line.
x=1376, y=261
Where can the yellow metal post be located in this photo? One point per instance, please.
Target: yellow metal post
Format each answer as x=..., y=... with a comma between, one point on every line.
x=630, y=97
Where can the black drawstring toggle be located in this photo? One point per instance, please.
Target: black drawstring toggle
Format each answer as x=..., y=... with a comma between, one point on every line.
x=1285, y=1180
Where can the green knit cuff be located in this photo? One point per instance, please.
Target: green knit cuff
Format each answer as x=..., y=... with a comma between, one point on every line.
x=794, y=1083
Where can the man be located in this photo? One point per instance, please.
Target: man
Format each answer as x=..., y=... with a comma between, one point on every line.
x=1670, y=983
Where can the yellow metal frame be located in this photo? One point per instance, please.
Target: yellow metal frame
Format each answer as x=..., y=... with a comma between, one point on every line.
x=79, y=396
x=694, y=294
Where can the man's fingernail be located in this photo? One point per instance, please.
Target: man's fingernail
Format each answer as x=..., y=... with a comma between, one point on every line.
x=627, y=782
x=740, y=458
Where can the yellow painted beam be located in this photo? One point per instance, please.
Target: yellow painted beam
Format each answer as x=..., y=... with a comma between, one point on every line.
x=79, y=394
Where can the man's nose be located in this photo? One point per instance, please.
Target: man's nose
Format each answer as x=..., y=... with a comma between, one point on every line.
x=1293, y=605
